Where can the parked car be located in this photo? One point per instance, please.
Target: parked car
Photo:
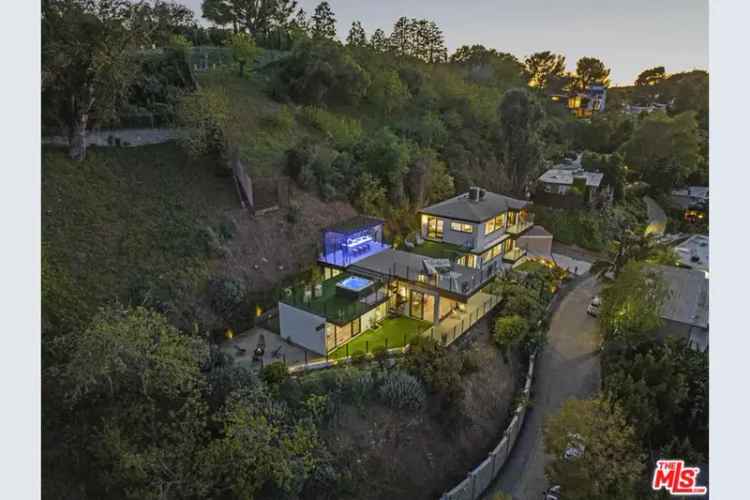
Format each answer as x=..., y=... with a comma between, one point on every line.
x=593, y=308
x=575, y=448
x=552, y=493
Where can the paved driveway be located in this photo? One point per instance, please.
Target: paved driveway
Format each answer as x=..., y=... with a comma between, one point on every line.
x=568, y=367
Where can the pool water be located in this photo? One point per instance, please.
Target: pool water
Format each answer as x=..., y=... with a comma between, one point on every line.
x=354, y=283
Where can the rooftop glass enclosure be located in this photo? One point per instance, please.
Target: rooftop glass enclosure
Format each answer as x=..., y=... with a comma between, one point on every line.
x=352, y=240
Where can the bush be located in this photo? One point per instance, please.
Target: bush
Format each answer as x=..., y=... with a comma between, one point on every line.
x=380, y=354
x=358, y=357
x=275, y=373
x=281, y=121
x=469, y=362
x=362, y=386
x=225, y=294
x=344, y=132
x=438, y=368
x=509, y=331
x=403, y=391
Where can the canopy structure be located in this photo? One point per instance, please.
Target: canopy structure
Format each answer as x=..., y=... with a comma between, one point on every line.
x=351, y=240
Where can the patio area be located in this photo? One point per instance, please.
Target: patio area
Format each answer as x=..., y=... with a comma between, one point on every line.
x=458, y=322
x=392, y=332
x=277, y=349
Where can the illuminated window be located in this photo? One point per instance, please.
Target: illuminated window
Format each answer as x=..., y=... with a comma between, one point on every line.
x=434, y=227
x=494, y=224
x=491, y=253
x=467, y=261
x=462, y=228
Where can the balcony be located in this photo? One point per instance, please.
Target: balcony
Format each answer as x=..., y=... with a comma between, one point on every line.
x=519, y=227
x=514, y=255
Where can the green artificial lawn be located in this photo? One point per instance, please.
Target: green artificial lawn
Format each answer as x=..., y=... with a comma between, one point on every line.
x=437, y=250
x=399, y=332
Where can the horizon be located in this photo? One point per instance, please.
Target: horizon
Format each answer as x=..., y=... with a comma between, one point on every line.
x=645, y=38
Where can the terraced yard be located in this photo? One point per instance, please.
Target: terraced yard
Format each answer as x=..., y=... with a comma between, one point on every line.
x=393, y=332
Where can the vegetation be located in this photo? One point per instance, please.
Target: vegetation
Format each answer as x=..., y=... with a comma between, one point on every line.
x=606, y=463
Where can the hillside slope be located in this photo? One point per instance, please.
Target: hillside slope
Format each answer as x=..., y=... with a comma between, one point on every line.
x=149, y=225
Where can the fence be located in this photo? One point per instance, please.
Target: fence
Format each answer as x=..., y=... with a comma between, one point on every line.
x=450, y=329
x=478, y=480
x=204, y=58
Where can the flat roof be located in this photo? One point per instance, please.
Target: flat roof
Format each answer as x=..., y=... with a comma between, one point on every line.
x=462, y=208
x=693, y=252
x=566, y=176
x=408, y=266
x=687, y=301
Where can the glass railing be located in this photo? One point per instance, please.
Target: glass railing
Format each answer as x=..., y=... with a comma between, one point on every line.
x=514, y=254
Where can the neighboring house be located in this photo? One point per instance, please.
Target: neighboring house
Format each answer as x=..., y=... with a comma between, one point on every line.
x=693, y=253
x=568, y=185
x=693, y=201
x=685, y=311
x=439, y=279
x=592, y=100
x=637, y=110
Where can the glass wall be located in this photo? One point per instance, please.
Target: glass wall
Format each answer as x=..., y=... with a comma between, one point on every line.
x=421, y=305
x=434, y=227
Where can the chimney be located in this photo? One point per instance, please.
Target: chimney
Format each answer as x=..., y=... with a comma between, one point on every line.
x=474, y=193
x=482, y=192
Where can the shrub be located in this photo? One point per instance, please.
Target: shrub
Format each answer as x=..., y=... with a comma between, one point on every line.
x=380, y=354
x=344, y=132
x=438, y=368
x=281, y=120
x=358, y=357
x=275, y=373
x=509, y=331
x=225, y=294
x=469, y=362
x=362, y=386
x=403, y=391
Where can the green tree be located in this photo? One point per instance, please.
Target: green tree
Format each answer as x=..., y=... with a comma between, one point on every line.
x=379, y=42
x=324, y=22
x=88, y=66
x=609, y=463
x=357, y=36
x=165, y=19
x=590, y=71
x=388, y=92
x=387, y=157
x=613, y=168
x=651, y=77
x=540, y=67
x=509, y=331
x=244, y=50
x=255, y=17
x=664, y=150
x=519, y=146
x=628, y=246
x=205, y=114
x=632, y=304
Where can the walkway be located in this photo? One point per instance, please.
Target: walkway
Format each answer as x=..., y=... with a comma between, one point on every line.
x=657, y=219
x=568, y=367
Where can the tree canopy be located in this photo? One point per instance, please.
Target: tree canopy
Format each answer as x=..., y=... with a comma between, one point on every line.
x=591, y=71
x=541, y=67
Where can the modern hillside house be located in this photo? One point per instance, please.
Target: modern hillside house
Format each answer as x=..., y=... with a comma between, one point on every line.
x=437, y=281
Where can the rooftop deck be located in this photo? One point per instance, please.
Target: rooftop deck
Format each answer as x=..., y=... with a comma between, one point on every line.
x=345, y=257
x=336, y=307
x=438, y=250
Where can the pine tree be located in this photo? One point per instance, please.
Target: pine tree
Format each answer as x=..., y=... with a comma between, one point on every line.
x=379, y=42
x=324, y=22
x=357, y=36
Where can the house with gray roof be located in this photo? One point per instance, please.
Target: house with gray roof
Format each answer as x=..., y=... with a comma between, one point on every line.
x=685, y=311
x=568, y=185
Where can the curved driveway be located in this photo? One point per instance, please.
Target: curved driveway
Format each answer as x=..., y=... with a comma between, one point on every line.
x=568, y=367
x=657, y=219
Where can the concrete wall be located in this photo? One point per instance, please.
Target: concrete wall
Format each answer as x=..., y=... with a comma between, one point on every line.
x=302, y=328
x=538, y=245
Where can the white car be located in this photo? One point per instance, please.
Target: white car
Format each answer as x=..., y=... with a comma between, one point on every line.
x=575, y=448
x=593, y=308
x=552, y=494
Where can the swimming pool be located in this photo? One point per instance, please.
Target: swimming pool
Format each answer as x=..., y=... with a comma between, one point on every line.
x=354, y=283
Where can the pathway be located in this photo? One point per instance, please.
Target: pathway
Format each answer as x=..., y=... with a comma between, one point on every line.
x=568, y=367
x=657, y=219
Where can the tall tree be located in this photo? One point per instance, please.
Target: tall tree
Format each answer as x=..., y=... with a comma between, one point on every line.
x=88, y=50
x=603, y=458
x=324, y=22
x=519, y=146
x=664, y=150
x=402, y=37
x=165, y=19
x=357, y=36
x=541, y=67
x=651, y=77
x=435, y=50
x=591, y=71
x=257, y=17
x=379, y=42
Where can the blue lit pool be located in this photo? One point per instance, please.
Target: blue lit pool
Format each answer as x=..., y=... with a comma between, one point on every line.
x=354, y=284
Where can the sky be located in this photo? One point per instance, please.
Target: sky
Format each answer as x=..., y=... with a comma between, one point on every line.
x=629, y=36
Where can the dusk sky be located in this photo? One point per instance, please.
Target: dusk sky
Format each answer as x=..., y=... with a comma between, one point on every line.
x=629, y=36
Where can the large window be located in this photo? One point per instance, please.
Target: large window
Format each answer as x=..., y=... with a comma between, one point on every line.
x=468, y=260
x=462, y=228
x=494, y=224
x=434, y=227
x=491, y=253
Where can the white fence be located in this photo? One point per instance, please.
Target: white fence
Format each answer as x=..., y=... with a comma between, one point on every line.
x=478, y=480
